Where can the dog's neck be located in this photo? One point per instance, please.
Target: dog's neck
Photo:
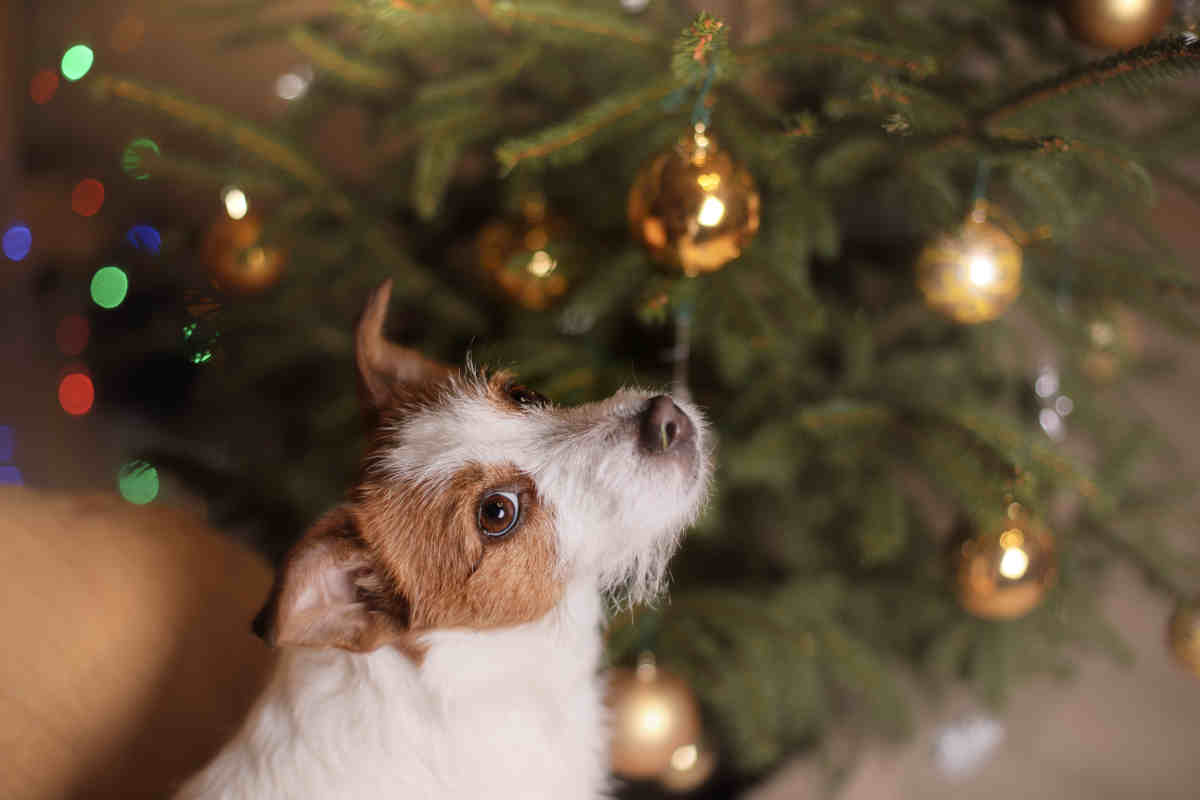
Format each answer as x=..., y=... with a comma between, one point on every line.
x=509, y=713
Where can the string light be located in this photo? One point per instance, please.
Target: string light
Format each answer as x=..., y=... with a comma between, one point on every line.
x=17, y=242
x=77, y=61
x=145, y=237
x=76, y=394
x=292, y=85
x=87, y=197
x=109, y=286
x=138, y=482
x=43, y=85
x=135, y=156
x=236, y=203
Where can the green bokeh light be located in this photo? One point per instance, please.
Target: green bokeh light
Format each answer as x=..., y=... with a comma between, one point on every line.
x=136, y=154
x=138, y=482
x=109, y=286
x=77, y=61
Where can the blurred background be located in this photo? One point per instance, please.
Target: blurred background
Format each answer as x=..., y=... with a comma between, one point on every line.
x=930, y=268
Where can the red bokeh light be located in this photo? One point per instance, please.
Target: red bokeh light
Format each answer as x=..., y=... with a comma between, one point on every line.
x=43, y=85
x=88, y=197
x=72, y=334
x=76, y=394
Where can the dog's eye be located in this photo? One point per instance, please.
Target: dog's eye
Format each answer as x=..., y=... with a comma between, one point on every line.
x=498, y=513
x=526, y=397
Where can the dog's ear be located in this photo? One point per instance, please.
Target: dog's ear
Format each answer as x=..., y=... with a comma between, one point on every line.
x=385, y=369
x=329, y=593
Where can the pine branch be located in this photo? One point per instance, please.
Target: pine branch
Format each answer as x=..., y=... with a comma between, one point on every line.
x=863, y=51
x=588, y=122
x=545, y=20
x=1156, y=61
x=438, y=92
x=329, y=58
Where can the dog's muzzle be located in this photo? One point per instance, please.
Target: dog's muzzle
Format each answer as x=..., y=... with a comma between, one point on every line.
x=664, y=428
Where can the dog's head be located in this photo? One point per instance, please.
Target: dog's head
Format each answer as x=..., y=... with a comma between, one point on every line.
x=480, y=500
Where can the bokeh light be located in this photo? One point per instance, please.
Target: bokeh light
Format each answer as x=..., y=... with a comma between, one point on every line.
x=236, y=203
x=138, y=482
x=43, y=85
x=145, y=237
x=88, y=197
x=72, y=334
x=127, y=34
x=7, y=444
x=17, y=242
x=109, y=286
x=10, y=476
x=135, y=156
x=76, y=394
x=77, y=61
x=292, y=85
x=199, y=343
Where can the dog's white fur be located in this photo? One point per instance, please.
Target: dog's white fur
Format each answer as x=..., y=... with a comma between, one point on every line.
x=496, y=714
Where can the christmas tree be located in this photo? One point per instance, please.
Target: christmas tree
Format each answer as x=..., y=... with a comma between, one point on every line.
x=851, y=232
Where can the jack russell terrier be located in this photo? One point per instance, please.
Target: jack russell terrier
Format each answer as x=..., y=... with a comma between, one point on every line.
x=441, y=629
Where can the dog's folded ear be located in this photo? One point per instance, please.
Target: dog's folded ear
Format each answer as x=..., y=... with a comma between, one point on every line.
x=385, y=369
x=330, y=593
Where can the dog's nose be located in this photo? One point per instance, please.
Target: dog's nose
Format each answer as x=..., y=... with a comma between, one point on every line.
x=664, y=425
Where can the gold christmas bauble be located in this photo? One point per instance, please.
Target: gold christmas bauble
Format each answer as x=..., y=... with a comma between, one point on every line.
x=1005, y=572
x=236, y=261
x=693, y=207
x=1116, y=24
x=653, y=714
x=688, y=768
x=1183, y=635
x=522, y=255
x=972, y=274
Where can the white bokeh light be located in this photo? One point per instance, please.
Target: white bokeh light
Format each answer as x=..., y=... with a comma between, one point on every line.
x=981, y=270
x=236, y=203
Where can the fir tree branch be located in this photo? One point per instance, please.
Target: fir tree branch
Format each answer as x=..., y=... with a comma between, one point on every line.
x=1162, y=59
x=435, y=92
x=540, y=19
x=215, y=122
x=588, y=122
x=863, y=51
x=329, y=58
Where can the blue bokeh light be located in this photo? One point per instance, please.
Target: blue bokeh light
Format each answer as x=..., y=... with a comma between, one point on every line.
x=18, y=241
x=10, y=476
x=145, y=237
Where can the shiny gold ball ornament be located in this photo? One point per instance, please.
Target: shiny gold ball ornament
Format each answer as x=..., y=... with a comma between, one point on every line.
x=1004, y=573
x=522, y=255
x=1115, y=24
x=235, y=258
x=973, y=274
x=1183, y=635
x=693, y=207
x=653, y=714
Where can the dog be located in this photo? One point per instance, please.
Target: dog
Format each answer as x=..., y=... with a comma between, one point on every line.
x=440, y=631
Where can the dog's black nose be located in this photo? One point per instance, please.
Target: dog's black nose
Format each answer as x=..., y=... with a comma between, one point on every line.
x=664, y=425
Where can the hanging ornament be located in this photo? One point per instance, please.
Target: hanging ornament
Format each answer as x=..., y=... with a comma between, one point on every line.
x=1005, y=572
x=689, y=767
x=653, y=715
x=972, y=274
x=1183, y=635
x=693, y=207
x=236, y=261
x=1115, y=24
x=1115, y=339
x=523, y=255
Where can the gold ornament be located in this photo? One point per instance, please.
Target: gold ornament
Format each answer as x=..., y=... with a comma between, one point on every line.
x=1116, y=24
x=688, y=768
x=693, y=207
x=235, y=260
x=1115, y=339
x=1004, y=573
x=972, y=274
x=653, y=715
x=1183, y=635
x=520, y=256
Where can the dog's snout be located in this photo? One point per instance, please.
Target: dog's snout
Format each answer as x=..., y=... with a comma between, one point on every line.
x=664, y=425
